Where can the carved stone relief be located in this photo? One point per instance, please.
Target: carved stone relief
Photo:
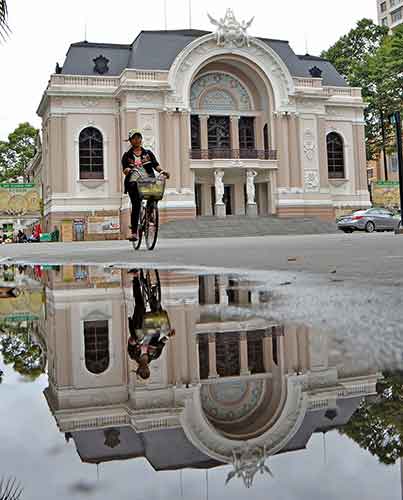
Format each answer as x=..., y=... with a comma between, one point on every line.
x=309, y=145
x=311, y=180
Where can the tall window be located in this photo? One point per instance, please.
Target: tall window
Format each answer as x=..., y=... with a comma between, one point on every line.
x=335, y=156
x=219, y=137
x=91, y=154
x=96, y=346
x=247, y=136
x=195, y=131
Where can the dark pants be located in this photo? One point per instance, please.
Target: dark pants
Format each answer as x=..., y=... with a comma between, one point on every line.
x=136, y=206
x=136, y=322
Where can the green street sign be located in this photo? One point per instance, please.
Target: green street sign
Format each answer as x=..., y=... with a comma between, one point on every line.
x=16, y=186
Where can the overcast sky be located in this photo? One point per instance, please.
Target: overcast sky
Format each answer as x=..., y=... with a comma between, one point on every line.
x=44, y=29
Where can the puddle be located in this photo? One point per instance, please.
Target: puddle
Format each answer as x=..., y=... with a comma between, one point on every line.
x=166, y=384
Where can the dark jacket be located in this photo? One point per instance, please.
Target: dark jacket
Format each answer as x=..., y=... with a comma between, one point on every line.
x=147, y=157
x=155, y=348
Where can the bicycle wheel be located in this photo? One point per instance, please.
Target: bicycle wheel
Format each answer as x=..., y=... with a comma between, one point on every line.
x=151, y=226
x=151, y=287
x=137, y=244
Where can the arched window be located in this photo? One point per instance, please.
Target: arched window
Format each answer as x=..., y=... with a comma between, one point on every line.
x=91, y=154
x=96, y=346
x=335, y=156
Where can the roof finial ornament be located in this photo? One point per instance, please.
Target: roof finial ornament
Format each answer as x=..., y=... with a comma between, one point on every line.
x=248, y=461
x=230, y=32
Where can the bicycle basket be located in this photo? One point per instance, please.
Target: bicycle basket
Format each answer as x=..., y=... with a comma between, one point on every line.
x=157, y=320
x=151, y=189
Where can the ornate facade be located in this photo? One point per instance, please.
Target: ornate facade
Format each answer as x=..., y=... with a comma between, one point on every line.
x=244, y=125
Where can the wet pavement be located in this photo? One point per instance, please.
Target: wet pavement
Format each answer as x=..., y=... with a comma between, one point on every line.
x=171, y=383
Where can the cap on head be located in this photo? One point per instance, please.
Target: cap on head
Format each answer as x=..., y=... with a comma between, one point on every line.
x=133, y=132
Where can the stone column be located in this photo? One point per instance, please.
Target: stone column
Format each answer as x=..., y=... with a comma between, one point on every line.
x=291, y=349
x=195, y=366
x=206, y=205
x=295, y=159
x=212, y=357
x=219, y=193
x=243, y=353
x=235, y=133
x=282, y=145
x=187, y=178
x=58, y=170
x=360, y=163
x=322, y=151
x=272, y=193
x=251, y=209
x=204, y=132
x=267, y=352
x=239, y=197
x=259, y=139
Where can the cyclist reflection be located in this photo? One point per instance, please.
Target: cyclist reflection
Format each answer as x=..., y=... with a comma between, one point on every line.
x=149, y=326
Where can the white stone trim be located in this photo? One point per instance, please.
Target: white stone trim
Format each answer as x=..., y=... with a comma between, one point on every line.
x=177, y=204
x=284, y=202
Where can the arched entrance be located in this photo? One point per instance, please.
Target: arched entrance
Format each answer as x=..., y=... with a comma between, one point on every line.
x=232, y=95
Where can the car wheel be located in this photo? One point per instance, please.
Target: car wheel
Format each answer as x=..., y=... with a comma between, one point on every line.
x=370, y=227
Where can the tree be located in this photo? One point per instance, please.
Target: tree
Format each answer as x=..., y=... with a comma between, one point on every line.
x=17, y=152
x=377, y=426
x=4, y=28
x=20, y=350
x=358, y=58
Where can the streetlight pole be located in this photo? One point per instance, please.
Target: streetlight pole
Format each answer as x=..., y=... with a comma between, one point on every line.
x=396, y=120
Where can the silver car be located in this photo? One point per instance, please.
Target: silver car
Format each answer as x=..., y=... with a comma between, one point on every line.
x=373, y=219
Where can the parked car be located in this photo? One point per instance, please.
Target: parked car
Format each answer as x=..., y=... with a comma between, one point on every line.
x=373, y=219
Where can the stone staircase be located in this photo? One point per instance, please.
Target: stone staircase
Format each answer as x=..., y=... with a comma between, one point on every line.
x=237, y=226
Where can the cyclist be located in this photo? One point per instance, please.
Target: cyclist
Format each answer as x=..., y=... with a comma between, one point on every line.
x=141, y=163
x=146, y=341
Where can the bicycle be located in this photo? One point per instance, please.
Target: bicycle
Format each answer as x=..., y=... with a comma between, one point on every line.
x=151, y=288
x=150, y=189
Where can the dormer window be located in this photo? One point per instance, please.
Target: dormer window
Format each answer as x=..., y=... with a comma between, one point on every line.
x=315, y=72
x=101, y=65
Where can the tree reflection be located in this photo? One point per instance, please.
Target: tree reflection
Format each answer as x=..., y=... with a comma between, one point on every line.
x=21, y=350
x=377, y=426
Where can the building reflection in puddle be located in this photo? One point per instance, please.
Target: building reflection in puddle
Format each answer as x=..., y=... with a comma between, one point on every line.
x=229, y=387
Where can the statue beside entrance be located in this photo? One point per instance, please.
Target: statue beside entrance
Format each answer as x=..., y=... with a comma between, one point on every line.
x=251, y=208
x=219, y=193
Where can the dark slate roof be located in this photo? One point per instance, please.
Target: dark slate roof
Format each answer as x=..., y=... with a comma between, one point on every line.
x=157, y=50
x=164, y=449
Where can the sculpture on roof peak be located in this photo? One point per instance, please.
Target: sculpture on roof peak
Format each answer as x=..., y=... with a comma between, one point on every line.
x=247, y=462
x=231, y=32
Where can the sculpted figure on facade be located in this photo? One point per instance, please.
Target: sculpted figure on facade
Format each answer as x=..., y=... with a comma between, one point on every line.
x=250, y=186
x=231, y=32
x=219, y=186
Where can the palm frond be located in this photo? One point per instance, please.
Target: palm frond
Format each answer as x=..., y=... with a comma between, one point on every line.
x=4, y=27
x=10, y=489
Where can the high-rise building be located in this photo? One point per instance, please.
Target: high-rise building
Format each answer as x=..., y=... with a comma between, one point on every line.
x=390, y=12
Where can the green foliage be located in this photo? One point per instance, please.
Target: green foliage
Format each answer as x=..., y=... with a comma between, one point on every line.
x=377, y=426
x=17, y=152
x=4, y=28
x=19, y=349
x=370, y=58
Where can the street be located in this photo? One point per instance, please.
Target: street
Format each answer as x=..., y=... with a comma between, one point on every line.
x=351, y=284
